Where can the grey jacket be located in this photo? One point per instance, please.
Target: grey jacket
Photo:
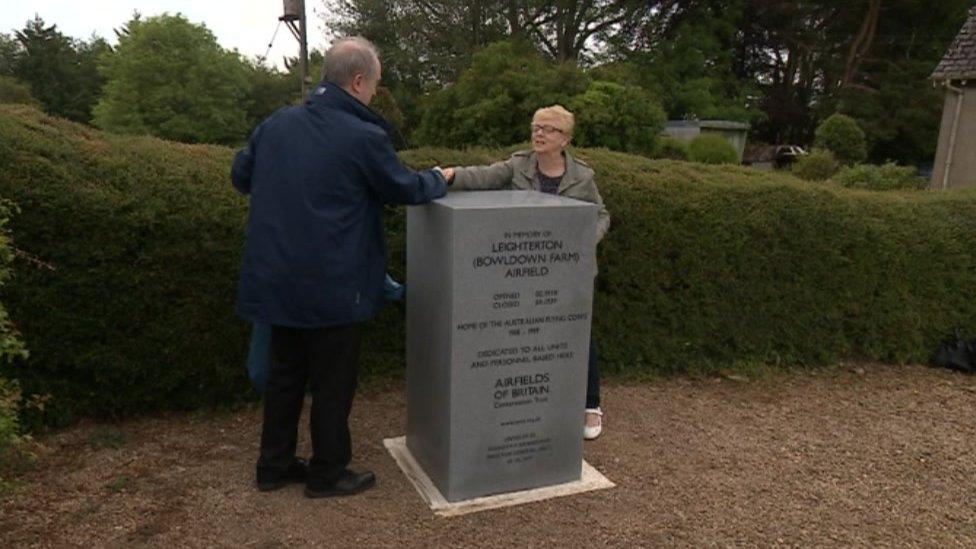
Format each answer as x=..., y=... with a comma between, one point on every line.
x=518, y=173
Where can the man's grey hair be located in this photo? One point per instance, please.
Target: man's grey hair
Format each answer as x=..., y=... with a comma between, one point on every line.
x=348, y=57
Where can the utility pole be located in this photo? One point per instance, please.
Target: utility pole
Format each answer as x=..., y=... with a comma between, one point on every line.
x=294, y=19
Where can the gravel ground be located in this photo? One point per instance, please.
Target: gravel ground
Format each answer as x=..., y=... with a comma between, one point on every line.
x=850, y=456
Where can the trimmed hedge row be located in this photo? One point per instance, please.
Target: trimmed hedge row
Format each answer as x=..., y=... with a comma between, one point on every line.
x=704, y=266
x=128, y=306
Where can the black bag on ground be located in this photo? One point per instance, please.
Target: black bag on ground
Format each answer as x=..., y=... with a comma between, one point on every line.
x=957, y=354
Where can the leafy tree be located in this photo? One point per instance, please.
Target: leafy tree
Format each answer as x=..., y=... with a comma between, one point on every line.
x=386, y=106
x=622, y=118
x=687, y=61
x=9, y=52
x=422, y=47
x=782, y=66
x=564, y=31
x=61, y=72
x=866, y=58
x=88, y=82
x=841, y=135
x=492, y=103
x=890, y=94
x=269, y=90
x=426, y=44
x=170, y=78
x=901, y=117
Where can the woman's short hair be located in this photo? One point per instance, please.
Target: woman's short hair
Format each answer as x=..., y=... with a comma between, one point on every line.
x=564, y=120
x=348, y=57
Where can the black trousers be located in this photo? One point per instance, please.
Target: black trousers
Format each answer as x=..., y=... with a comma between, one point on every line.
x=329, y=359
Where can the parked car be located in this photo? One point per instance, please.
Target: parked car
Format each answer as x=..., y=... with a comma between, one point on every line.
x=787, y=155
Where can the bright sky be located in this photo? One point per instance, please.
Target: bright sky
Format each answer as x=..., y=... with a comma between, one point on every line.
x=246, y=24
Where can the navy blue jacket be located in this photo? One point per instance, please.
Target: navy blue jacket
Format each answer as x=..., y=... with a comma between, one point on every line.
x=318, y=175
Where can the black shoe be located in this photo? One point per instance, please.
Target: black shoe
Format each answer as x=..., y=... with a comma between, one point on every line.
x=270, y=479
x=349, y=483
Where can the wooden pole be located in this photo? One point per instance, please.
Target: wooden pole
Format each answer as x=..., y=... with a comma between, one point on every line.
x=303, y=50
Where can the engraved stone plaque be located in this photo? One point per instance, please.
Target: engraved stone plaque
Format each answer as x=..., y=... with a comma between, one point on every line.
x=499, y=299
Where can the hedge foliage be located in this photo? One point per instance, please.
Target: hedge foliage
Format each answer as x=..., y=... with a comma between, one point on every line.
x=11, y=348
x=841, y=135
x=620, y=118
x=710, y=148
x=127, y=307
x=887, y=177
x=704, y=267
x=671, y=149
x=819, y=165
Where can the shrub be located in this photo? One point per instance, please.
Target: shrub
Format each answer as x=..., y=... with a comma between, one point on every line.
x=819, y=165
x=709, y=148
x=9, y=412
x=14, y=455
x=621, y=118
x=703, y=267
x=671, y=149
x=11, y=348
x=14, y=91
x=841, y=135
x=888, y=177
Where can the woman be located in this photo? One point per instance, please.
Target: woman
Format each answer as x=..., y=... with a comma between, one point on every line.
x=550, y=169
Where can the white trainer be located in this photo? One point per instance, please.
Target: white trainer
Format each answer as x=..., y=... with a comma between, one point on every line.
x=591, y=432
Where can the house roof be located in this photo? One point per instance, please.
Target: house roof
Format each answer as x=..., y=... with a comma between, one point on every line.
x=959, y=62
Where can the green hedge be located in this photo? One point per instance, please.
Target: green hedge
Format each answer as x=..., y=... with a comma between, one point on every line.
x=886, y=177
x=671, y=149
x=127, y=307
x=704, y=267
x=711, y=148
x=819, y=165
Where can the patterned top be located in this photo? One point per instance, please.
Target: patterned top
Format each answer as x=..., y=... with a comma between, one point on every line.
x=548, y=184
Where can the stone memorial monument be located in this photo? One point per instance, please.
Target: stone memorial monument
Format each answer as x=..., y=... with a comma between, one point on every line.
x=499, y=298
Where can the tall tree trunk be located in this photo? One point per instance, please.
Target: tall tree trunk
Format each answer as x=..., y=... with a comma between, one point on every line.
x=862, y=42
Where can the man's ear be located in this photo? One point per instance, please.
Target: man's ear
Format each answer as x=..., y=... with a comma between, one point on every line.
x=357, y=81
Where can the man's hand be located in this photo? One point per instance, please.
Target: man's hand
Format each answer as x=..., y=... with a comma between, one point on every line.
x=448, y=173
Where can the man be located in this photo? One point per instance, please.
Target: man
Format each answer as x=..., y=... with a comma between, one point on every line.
x=315, y=259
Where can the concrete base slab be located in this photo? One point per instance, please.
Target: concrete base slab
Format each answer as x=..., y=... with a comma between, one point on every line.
x=591, y=480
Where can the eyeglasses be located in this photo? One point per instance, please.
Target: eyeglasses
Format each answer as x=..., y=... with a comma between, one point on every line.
x=545, y=129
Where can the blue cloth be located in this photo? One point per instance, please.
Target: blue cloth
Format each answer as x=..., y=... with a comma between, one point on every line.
x=317, y=175
x=393, y=290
